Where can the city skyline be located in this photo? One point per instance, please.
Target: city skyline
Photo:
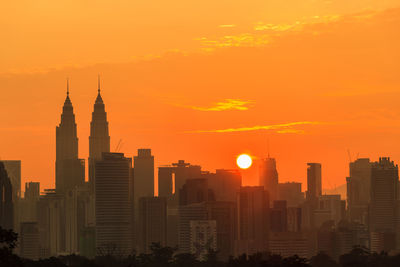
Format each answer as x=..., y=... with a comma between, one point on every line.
x=200, y=133
x=307, y=102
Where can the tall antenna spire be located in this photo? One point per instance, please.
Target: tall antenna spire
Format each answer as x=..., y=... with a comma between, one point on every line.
x=268, y=146
x=67, y=86
x=98, y=83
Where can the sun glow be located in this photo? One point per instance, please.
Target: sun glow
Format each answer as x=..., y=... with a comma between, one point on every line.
x=244, y=161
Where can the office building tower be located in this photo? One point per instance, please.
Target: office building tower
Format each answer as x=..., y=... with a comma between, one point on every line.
x=253, y=220
x=225, y=184
x=187, y=213
x=172, y=226
x=203, y=237
x=29, y=204
x=6, y=199
x=172, y=178
x=99, y=139
x=13, y=168
x=51, y=222
x=113, y=205
x=314, y=183
x=359, y=190
x=79, y=215
x=143, y=177
x=384, y=194
x=278, y=216
x=29, y=241
x=152, y=227
x=291, y=192
x=70, y=171
x=225, y=215
x=268, y=177
x=294, y=219
x=195, y=191
x=329, y=208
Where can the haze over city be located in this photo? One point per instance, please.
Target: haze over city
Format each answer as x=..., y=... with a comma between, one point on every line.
x=210, y=134
x=167, y=76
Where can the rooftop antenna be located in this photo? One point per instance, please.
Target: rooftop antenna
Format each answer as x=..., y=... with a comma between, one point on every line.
x=98, y=83
x=268, y=146
x=67, y=86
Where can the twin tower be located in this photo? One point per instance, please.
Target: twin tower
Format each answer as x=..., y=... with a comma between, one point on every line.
x=70, y=170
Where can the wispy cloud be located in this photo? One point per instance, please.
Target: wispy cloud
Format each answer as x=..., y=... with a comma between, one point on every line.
x=280, y=128
x=228, y=104
x=261, y=33
x=227, y=26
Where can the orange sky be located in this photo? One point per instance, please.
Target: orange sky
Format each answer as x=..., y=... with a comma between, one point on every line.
x=205, y=81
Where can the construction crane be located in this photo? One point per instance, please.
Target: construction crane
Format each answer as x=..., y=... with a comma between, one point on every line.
x=119, y=146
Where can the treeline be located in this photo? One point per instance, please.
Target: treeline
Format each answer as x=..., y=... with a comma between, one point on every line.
x=167, y=257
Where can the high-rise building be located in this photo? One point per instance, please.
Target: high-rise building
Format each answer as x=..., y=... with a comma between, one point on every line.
x=294, y=219
x=329, y=208
x=171, y=179
x=278, y=216
x=359, y=190
x=13, y=168
x=203, y=237
x=99, y=139
x=113, y=205
x=70, y=171
x=314, y=183
x=6, y=200
x=384, y=194
x=29, y=204
x=291, y=192
x=195, y=191
x=152, y=226
x=253, y=220
x=143, y=177
x=268, y=177
x=225, y=215
x=225, y=184
x=187, y=213
x=29, y=241
x=51, y=222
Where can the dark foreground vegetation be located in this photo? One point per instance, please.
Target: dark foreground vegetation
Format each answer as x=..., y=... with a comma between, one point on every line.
x=166, y=257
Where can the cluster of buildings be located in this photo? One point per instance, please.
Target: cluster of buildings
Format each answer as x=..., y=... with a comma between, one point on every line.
x=117, y=213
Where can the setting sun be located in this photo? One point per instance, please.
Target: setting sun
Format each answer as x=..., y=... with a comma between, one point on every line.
x=244, y=161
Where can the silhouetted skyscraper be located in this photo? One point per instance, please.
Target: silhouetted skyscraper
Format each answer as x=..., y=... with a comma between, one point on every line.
x=314, y=183
x=359, y=190
x=384, y=193
x=268, y=177
x=195, y=191
x=225, y=184
x=13, y=168
x=178, y=172
x=278, y=216
x=29, y=241
x=113, y=205
x=143, y=177
x=70, y=171
x=6, y=203
x=291, y=192
x=253, y=220
x=99, y=139
x=152, y=222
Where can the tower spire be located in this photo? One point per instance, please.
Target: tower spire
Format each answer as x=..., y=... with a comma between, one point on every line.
x=67, y=86
x=98, y=83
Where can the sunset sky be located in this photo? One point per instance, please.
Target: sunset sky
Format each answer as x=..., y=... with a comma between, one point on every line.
x=205, y=81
